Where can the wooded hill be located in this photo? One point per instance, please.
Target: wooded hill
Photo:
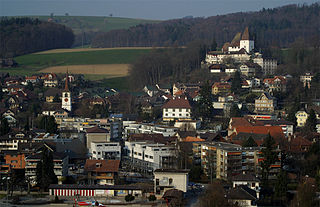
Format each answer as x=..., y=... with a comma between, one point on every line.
x=25, y=35
x=270, y=27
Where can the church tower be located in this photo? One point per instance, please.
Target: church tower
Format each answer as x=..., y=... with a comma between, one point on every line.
x=245, y=41
x=66, y=96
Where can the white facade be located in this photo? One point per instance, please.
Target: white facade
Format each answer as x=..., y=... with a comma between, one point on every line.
x=268, y=66
x=176, y=113
x=149, y=155
x=248, y=45
x=133, y=127
x=105, y=150
x=170, y=179
x=66, y=100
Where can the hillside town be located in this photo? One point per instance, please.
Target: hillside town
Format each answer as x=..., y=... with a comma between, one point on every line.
x=167, y=143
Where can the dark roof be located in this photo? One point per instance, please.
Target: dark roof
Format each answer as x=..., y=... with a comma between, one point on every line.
x=245, y=177
x=245, y=34
x=96, y=130
x=177, y=103
x=276, y=122
x=184, y=134
x=155, y=138
x=102, y=165
x=242, y=193
x=172, y=170
x=55, y=155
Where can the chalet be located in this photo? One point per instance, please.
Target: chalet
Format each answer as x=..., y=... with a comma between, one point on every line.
x=102, y=172
x=277, y=83
x=176, y=108
x=265, y=103
x=219, y=87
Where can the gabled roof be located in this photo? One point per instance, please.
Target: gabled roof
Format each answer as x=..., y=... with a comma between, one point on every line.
x=275, y=131
x=177, y=102
x=102, y=165
x=192, y=139
x=221, y=85
x=242, y=193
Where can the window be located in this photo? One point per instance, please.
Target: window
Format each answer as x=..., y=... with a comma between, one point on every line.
x=166, y=110
x=180, y=110
x=173, y=110
x=173, y=114
x=170, y=181
x=180, y=114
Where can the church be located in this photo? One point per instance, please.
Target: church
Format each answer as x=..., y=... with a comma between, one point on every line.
x=66, y=96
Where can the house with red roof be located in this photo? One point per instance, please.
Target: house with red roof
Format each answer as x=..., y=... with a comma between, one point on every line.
x=50, y=80
x=102, y=172
x=177, y=108
x=219, y=87
x=277, y=83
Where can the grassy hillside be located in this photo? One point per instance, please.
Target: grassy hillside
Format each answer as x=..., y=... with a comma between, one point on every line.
x=120, y=56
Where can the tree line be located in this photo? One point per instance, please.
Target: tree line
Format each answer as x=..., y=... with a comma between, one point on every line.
x=270, y=27
x=25, y=35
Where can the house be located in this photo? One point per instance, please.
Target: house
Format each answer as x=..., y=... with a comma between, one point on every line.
x=102, y=172
x=10, y=116
x=217, y=68
x=51, y=94
x=265, y=103
x=249, y=180
x=166, y=179
x=303, y=114
x=184, y=87
x=150, y=90
x=277, y=83
x=15, y=159
x=176, y=108
x=31, y=79
x=268, y=66
x=97, y=134
x=221, y=88
x=50, y=80
x=306, y=80
x=298, y=144
x=249, y=69
x=242, y=196
x=166, y=88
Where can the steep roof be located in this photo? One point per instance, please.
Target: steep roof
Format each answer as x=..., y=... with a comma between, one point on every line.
x=242, y=193
x=178, y=102
x=275, y=131
x=245, y=34
x=102, y=165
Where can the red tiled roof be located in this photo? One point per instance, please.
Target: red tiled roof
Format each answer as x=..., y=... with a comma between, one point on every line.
x=178, y=102
x=297, y=144
x=97, y=130
x=271, y=80
x=275, y=131
x=102, y=165
x=192, y=139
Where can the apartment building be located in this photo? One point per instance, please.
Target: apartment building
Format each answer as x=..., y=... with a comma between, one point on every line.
x=105, y=150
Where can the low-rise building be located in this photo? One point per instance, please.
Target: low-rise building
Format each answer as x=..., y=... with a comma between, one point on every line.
x=176, y=108
x=166, y=179
x=105, y=151
x=265, y=103
x=102, y=172
x=221, y=88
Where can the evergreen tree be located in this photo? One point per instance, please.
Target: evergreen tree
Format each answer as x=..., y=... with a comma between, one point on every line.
x=44, y=171
x=4, y=127
x=249, y=143
x=311, y=121
x=235, y=111
x=236, y=83
x=49, y=124
x=1, y=93
x=281, y=186
x=56, y=98
x=204, y=107
x=270, y=157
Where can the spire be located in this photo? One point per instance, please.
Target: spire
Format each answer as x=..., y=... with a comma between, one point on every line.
x=66, y=88
x=245, y=34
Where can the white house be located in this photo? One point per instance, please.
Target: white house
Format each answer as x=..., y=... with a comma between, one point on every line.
x=176, y=108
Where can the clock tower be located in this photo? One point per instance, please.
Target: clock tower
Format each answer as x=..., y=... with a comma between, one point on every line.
x=66, y=96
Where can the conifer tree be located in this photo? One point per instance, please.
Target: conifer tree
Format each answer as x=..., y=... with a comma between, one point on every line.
x=311, y=121
x=270, y=157
x=249, y=143
x=44, y=171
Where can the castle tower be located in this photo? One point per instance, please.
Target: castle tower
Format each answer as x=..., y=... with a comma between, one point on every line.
x=245, y=41
x=66, y=96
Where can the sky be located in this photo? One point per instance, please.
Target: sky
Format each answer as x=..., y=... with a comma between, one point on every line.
x=143, y=9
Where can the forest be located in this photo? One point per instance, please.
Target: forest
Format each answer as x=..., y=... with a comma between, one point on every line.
x=25, y=35
x=278, y=27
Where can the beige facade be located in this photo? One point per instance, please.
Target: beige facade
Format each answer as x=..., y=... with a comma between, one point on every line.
x=165, y=179
x=97, y=137
x=265, y=104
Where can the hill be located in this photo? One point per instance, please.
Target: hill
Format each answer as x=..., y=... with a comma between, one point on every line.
x=270, y=27
x=85, y=27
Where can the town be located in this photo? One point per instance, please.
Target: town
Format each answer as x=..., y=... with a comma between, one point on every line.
x=231, y=140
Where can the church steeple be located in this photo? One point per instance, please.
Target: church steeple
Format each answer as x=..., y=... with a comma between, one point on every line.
x=66, y=95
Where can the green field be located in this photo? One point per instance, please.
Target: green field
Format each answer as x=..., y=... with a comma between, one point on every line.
x=40, y=61
x=94, y=24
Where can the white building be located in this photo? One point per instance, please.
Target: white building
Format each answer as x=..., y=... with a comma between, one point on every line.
x=148, y=157
x=268, y=66
x=166, y=179
x=105, y=150
x=306, y=79
x=66, y=97
x=133, y=127
x=176, y=108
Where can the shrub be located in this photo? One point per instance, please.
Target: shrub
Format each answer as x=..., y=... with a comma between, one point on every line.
x=152, y=198
x=129, y=198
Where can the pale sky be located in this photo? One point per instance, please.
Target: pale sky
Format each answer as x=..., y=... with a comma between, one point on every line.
x=146, y=9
